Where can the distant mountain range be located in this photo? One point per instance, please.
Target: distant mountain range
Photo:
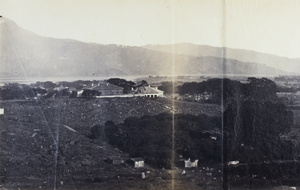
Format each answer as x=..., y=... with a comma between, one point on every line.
x=287, y=65
x=25, y=54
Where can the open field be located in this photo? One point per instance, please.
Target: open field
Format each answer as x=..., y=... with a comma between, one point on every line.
x=44, y=145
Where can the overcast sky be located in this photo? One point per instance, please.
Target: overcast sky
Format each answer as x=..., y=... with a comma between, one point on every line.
x=269, y=26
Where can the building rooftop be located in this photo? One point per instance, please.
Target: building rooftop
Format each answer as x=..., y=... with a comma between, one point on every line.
x=149, y=90
x=137, y=159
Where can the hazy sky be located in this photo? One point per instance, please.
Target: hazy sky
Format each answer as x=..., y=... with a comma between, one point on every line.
x=270, y=26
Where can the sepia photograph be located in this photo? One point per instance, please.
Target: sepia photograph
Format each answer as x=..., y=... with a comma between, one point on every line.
x=150, y=94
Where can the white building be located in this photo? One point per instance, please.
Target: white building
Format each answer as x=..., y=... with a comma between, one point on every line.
x=190, y=164
x=150, y=92
x=137, y=162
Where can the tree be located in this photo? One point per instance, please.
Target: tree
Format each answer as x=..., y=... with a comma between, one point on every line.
x=260, y=89
x=90, y=93
x=49, y=85
x=168, y=87
x=151, y=138
x=254, y=128
x=96, y=132
x=127, y=85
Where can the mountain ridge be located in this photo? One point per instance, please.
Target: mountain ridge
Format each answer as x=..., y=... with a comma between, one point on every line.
x=242, y=55
x=24, y=53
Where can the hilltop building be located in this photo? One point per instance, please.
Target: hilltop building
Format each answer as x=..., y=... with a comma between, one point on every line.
x=150, y=92
x=107, y=90
x=190, y=164
x=136, y=162
x=102, y=89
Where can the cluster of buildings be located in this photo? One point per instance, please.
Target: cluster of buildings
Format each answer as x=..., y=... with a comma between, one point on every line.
x=104, y=90
x=288, y=81
x=139, y=162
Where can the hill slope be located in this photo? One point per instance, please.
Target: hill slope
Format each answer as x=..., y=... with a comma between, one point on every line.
x=25, y=54
x=282, y=63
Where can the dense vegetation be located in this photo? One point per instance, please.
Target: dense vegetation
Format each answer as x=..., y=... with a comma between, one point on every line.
x=253, y=120
x=226, y=91
x=127, y=85
x=253, y=129
x=196, y=137
x=168, y=87
x=17, y=91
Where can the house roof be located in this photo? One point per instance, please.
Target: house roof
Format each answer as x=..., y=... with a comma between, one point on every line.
x=104, y=86
x=191, y=160
x=137, y=159
x=149, y=90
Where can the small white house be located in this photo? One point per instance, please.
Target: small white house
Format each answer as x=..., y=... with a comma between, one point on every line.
x=190, y=164
x=137, y=162
x=1, y=111
x=150, y=92
x=233, y=163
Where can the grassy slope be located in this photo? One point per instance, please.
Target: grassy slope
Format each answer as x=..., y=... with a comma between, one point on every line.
x=30, y=131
